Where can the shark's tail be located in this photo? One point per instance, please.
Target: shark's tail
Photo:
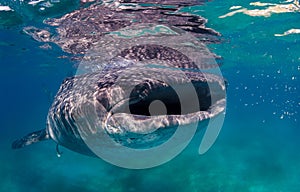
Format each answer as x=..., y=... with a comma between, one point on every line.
x=31, y=138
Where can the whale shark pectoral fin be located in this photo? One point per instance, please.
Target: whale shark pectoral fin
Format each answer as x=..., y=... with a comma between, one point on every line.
x=31, y=138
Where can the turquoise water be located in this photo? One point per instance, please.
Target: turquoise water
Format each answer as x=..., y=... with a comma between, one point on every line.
x=256, y=151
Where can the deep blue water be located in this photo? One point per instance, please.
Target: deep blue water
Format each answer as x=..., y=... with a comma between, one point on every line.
x=257, y=149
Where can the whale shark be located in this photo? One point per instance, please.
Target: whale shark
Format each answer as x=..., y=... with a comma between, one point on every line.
x=115, y=98
x=136, y=83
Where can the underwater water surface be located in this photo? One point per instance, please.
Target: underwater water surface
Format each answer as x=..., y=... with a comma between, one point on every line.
x=257, y=149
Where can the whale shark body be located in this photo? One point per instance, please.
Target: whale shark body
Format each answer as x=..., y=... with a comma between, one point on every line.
x=137, y=89
x=127, y=92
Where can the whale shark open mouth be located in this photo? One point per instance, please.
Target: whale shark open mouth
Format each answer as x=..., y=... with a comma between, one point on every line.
x=154, y=107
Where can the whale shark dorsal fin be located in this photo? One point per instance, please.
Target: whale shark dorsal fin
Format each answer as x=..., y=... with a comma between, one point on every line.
x=31, y=138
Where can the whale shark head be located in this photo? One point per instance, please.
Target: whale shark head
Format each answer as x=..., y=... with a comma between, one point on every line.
x=147, y=101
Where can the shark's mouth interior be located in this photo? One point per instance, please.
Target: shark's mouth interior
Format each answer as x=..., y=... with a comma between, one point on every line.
x=170, y=102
